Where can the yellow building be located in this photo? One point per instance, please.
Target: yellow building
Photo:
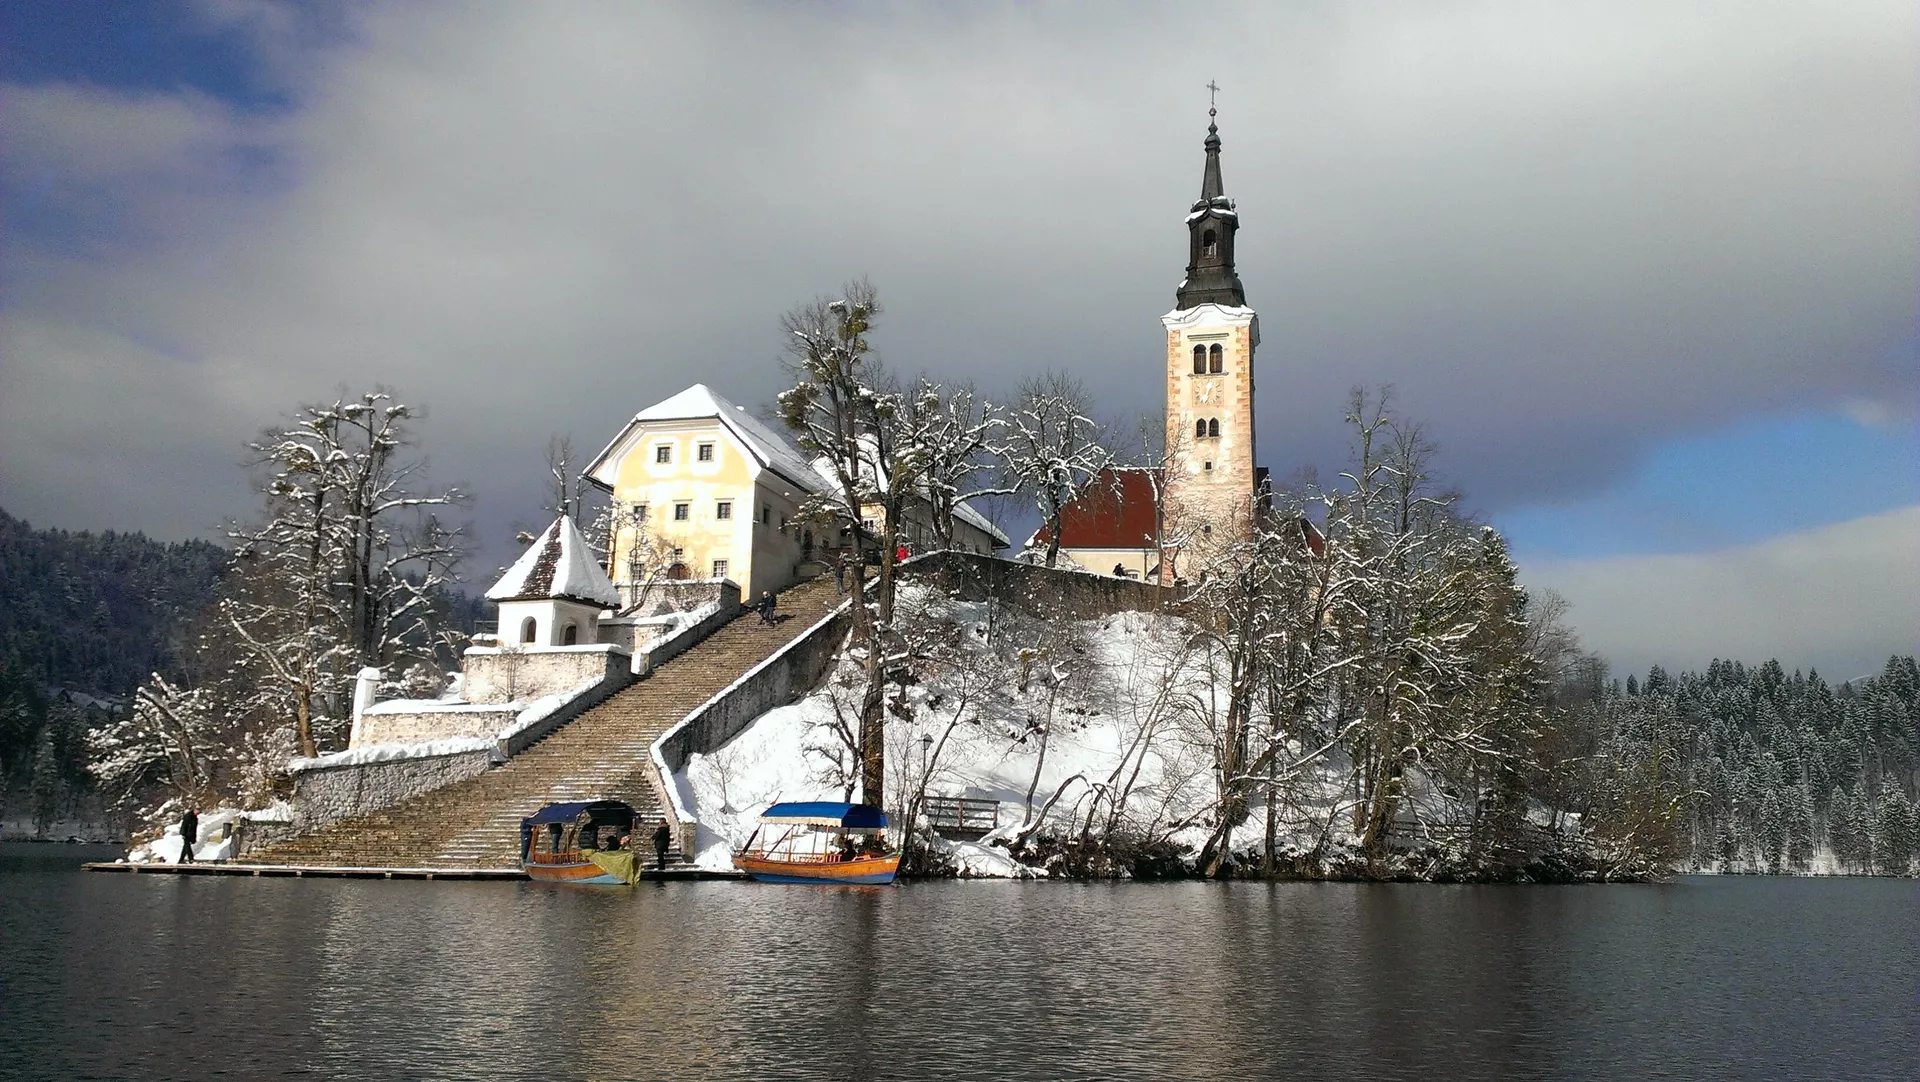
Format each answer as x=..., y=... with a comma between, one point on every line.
x=704, y=490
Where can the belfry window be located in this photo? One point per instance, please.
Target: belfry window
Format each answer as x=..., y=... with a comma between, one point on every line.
x=1213, y=429
x=1199, y=360
x=1199, y=430
x=1209, y=244
x=1215, y=359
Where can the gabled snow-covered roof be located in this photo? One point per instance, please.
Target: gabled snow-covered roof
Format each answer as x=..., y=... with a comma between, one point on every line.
x=699, y=402
x=558, y=565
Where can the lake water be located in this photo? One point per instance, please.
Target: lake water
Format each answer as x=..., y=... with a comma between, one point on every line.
x=117, y=976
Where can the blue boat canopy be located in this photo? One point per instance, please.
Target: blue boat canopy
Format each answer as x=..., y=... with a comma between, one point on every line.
x=567, y=813
x=827, y=813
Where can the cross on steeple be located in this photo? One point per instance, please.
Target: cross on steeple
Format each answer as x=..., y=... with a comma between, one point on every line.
x=1212, y=89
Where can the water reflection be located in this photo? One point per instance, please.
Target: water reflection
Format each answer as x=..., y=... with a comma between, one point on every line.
x=110, y=976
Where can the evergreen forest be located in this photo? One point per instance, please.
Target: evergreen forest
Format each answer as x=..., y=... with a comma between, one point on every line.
x=84, y=619
x=1771, y=771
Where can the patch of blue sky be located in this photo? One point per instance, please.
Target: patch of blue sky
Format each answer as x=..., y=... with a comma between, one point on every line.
x=138, y=47
x=134, y=45
x=1756, y=479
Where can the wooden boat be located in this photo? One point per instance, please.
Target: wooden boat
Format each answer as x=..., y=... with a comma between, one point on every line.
x=819, y=842
x=586, y=842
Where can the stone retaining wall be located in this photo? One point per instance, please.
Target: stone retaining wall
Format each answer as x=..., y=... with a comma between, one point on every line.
x=781, y=679
x=497, y=674
x=393, y=723
x=329, y=794
x=1068, y=595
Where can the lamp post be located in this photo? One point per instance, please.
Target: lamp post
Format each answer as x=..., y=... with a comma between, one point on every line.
x=920, y=802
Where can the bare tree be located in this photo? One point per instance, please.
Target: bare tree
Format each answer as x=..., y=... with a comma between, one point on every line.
x=346, y=565
x=841, y=413
x=1055, y=450
x=563, y=479
x=959, y=435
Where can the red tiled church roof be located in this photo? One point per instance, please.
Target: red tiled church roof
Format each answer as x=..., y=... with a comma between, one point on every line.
x=1119, y=510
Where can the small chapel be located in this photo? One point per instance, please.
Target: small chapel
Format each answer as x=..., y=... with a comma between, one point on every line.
x=1157, y=523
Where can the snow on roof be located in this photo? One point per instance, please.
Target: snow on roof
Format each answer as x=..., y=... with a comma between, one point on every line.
x=823, y=469
x=699, y=402
x=558, y=565
x=768, y=447
x=964, y=511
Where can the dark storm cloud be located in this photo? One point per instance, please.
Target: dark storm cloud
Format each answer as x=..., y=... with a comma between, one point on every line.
x=1565, y=232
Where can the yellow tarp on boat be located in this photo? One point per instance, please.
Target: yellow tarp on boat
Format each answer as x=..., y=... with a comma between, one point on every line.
x=618, y=862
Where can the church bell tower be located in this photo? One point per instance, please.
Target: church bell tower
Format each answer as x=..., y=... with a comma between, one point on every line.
x=1209, y=494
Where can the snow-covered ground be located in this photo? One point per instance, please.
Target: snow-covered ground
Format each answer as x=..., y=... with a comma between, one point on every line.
x=1123, y=706
x=216, y=823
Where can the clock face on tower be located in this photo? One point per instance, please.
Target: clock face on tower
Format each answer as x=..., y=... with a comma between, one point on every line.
x=1206, y=393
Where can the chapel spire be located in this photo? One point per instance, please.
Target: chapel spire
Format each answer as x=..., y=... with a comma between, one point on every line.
x=1211, y=278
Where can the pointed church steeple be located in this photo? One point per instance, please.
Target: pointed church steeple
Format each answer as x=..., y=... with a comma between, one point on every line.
x=1211, y=224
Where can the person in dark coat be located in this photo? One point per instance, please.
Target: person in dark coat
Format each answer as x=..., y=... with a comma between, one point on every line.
x=766, y=606
x=189, y=834
x=662, y=837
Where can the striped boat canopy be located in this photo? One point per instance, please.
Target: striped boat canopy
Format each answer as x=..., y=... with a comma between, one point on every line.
x=827, y=813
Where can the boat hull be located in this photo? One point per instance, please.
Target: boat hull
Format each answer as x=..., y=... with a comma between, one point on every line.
x=583, y=874
x=868, y=871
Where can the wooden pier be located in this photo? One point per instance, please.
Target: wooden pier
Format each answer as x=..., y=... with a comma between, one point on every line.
x=297, y=871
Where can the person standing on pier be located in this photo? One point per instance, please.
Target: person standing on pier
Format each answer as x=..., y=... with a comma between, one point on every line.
x=189, y=834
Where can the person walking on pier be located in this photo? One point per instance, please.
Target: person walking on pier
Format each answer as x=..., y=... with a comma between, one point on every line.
x=662, y=837
x=189, y=834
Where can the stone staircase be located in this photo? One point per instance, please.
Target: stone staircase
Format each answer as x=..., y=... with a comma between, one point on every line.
x=600, y=755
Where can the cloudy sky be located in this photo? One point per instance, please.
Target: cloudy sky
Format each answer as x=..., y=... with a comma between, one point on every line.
x=1648, y=272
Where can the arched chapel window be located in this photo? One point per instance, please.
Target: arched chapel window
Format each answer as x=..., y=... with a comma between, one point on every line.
x=1199, y=430
x=1207, y=243
x=571, y=636
x=526, y=630
x=1199, y=360
x=1213, y=429
x=1215, y=358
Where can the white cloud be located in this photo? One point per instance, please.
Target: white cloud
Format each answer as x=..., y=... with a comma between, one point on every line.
x=1839, y=598
x=1566, y=232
